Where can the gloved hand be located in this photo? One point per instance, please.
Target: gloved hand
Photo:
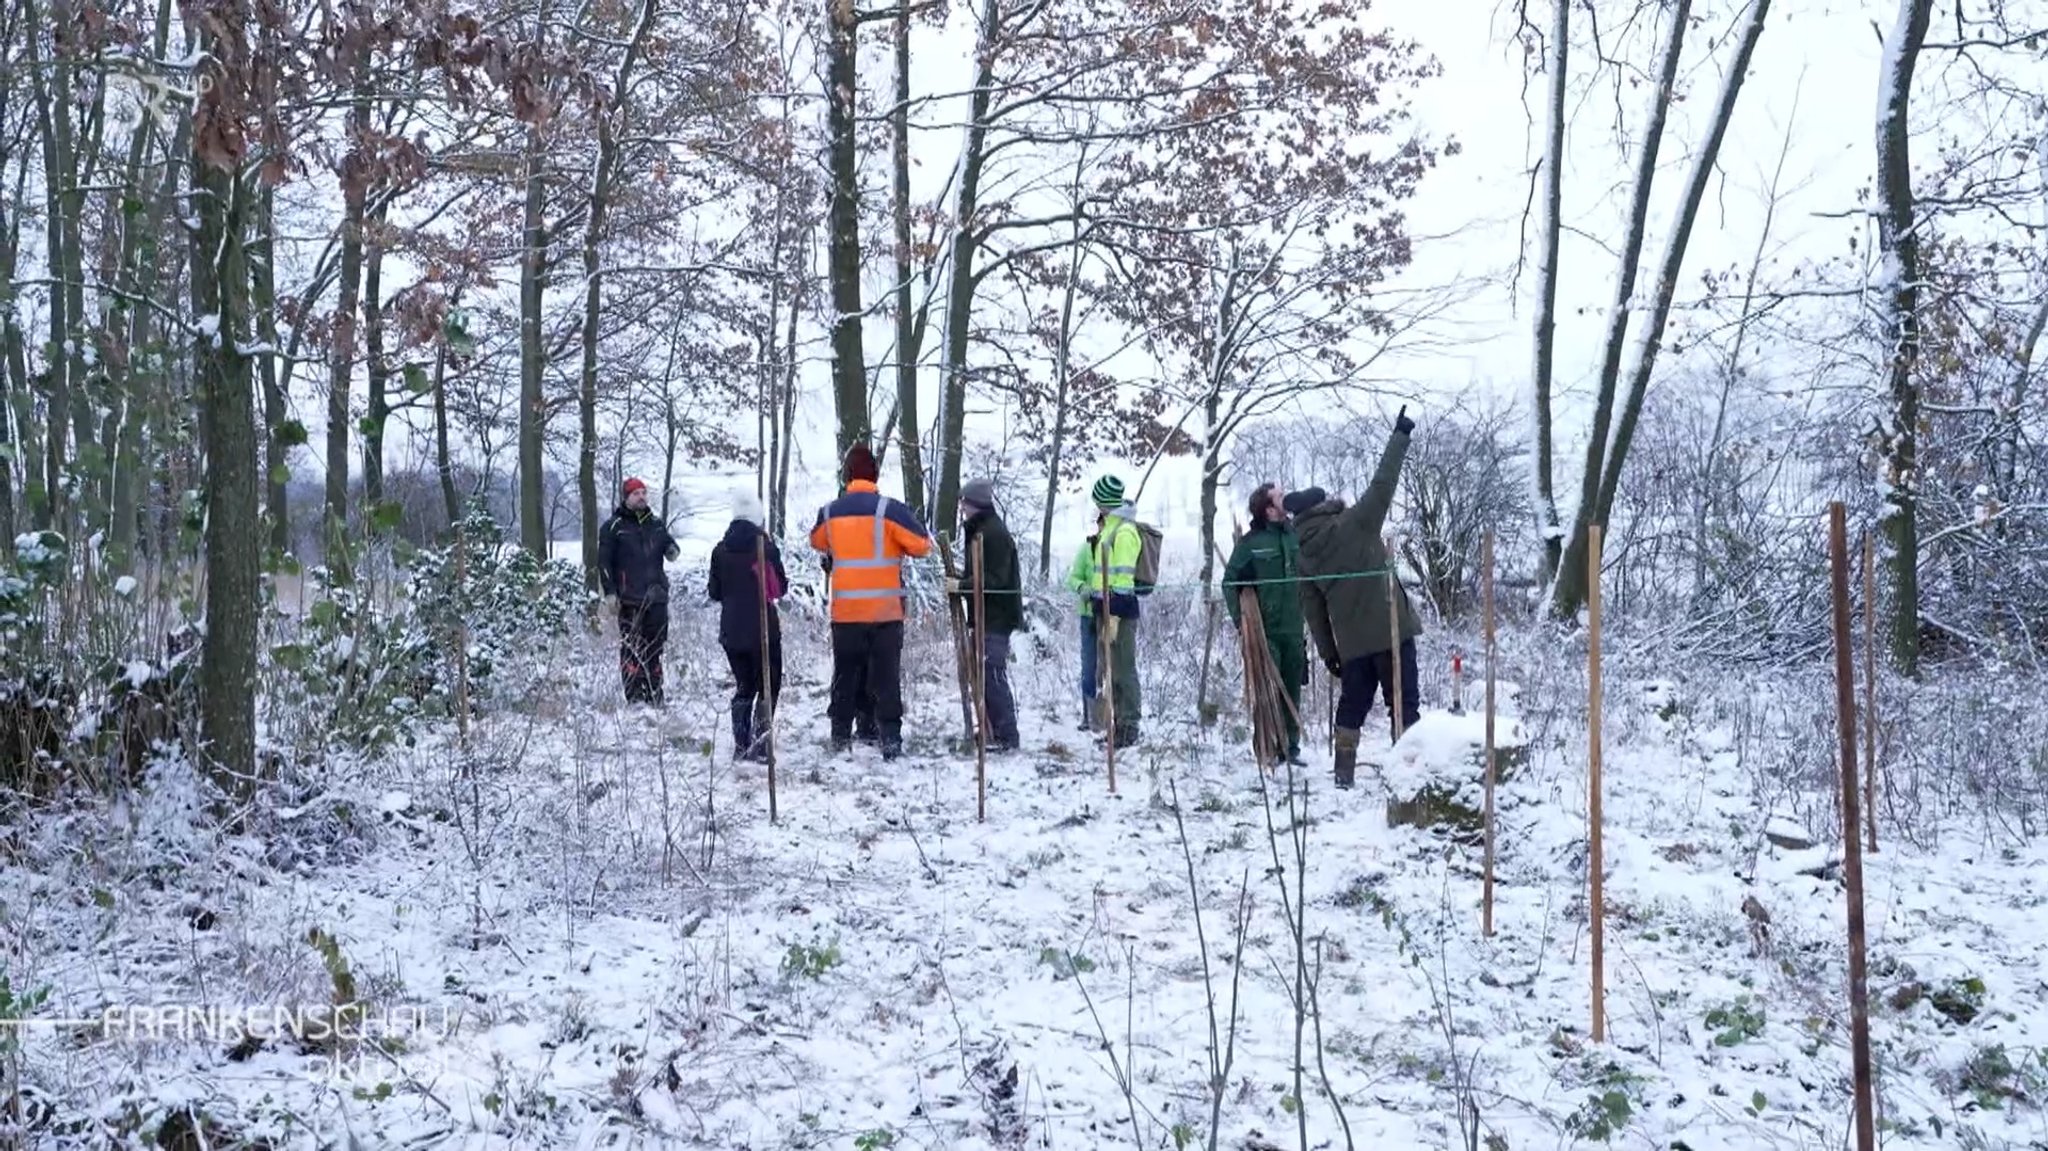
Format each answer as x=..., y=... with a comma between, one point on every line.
x=1109, y=628
x=611, y=604
x=1402, y=423
x=952, y=585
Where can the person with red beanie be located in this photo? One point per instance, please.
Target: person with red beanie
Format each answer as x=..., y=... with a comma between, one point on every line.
x=865, y=537
x=633, y=548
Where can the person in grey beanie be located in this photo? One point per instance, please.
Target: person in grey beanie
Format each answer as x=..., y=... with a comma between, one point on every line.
x=1002, y=594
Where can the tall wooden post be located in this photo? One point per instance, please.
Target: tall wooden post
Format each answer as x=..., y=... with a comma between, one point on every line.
x=1852, y=846
x=980, y=683
x=1394, y=630
x=767, y=666
x=1595, y=866
x=1105, y=548
x=1870, y=688
x=1486, y=600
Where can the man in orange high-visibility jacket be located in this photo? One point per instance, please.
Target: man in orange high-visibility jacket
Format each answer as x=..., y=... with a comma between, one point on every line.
x=865, y=537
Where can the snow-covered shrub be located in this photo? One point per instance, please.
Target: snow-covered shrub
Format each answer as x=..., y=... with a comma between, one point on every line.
x=355, y=672
x=370, y=668
x=506, y=602
x=35, y=701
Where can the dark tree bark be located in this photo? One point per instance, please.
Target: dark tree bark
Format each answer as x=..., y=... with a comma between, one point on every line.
x=908, y=334
x=1899, y=281
x=220, y=284
x=444, y=464
x=277, y=440
x=609, y=121
x=1550, y=226
x=533, y=528
x=1570, y=574
x=376, y=398
x=355, y=186
x=849, y=371
x=963, y=279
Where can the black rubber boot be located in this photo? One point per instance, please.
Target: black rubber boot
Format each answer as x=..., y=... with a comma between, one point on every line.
x=742, y=730
x=1347, y=757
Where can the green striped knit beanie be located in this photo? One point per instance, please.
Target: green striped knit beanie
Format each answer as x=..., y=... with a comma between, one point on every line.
x=1109, y=493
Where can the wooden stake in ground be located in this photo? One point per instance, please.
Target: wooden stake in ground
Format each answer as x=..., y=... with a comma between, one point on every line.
x=961, y=653
x=980, y=685
x=1394, y=630
x=1597, y=903
x=1870, y=688
x=1105, y=548
x=1486, y=601
x=1852, y=847
x=461, y=641
x=767, y=664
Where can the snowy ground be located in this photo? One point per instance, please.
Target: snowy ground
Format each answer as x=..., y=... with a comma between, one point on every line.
x=607, y=943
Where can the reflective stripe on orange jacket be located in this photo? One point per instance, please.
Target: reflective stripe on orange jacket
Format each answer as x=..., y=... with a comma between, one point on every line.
x=866, y=535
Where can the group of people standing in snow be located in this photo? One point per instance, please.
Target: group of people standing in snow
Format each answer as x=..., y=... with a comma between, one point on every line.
x=1312, y=561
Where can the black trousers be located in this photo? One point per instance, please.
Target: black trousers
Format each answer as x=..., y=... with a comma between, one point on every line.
x=643, y=633
x=1367, y=674
x=867, y=679
x=746, y=664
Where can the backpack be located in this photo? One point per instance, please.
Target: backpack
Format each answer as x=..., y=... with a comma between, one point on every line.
x=1150, y=539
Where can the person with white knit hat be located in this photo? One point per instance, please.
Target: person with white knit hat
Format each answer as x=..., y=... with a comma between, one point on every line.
x=740, y=582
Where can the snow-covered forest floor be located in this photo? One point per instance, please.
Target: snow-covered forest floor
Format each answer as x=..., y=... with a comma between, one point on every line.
x=582, y=930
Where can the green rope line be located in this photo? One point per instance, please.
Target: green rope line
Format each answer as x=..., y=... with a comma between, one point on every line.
x=1095, y=593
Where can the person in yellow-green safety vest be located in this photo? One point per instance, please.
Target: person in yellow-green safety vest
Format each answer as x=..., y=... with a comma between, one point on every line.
x=1080, y=581
x=1118, y=546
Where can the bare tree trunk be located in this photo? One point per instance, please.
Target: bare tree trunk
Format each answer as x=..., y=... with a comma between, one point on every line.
x=780, y=510
x=586, y=394
x=1549, y=229
x=13, y=363
x=355, y=180
x=1666, y=286
x=220, y=283
x=1571, y=582
x=54, y=111
x=593, y=293
x=377, y=401
x=1063, y=369
x=962, y=279
x=849, y=372
x=1570, y=589
x=19, y=396
x=1899, y=248
x=533, y=531
x=908, y=337
x=444, y=465
x=68, y=258
x=277, y=438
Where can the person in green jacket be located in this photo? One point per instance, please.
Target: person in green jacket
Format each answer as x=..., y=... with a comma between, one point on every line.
x=1268, y=560
x=1080, y=581
x=1117, y=548
x=1348, y=613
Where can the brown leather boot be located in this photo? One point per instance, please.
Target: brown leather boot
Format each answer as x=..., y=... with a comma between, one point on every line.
x=1347, y=756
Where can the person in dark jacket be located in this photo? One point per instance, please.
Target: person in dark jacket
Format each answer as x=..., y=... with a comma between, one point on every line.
x=632, y=549
x=1348, y=613
x=1267, y=559
x=1002, y=593
x=738, y=585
